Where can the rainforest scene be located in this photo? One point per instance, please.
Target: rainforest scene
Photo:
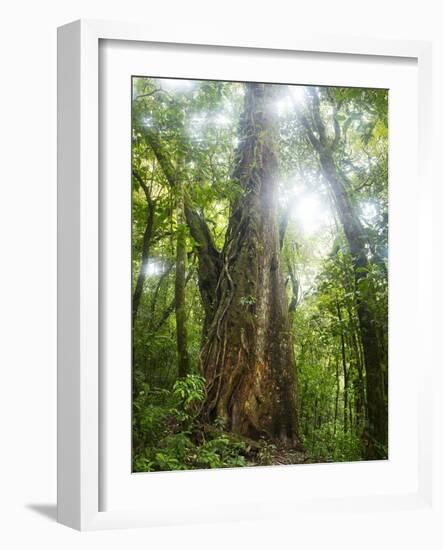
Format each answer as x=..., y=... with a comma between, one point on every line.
x=259, y=274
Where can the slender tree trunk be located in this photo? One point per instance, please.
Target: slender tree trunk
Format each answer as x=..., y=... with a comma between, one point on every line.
x=377, y=430
x=295, y=290
x=337, y=394
x=360, y=405
x=315, y=423
x=345, y=370
x=153, y=307
x=147, y=237
x=376, y=437
x=247, y=357
x=358, y=379
x=209, y=258
x=180, y=293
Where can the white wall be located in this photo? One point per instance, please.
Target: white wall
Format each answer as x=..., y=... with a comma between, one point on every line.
x=28, y=267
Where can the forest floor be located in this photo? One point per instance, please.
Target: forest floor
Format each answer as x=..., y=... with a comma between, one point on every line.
x=287, y=456
x=266, y=453
x=263, y=452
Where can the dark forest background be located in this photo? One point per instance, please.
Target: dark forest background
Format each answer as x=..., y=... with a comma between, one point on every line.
x=260, y=297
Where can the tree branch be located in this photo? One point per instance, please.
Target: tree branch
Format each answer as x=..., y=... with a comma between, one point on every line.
x=315, y=101
x=283, y=225
x=168, y=310
x=337, y=132
x=147, y=94
x=295, y=300
x=305, y=123
x=209, y=258
x=143, y=185
x=147, y=238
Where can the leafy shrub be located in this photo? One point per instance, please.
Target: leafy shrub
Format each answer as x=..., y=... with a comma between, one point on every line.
x=164, y=424
x=221, y=452
x=323, y=445
x=266, y=453
x=190, y=391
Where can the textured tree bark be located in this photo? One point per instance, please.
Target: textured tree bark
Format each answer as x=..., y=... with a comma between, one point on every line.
x=247, y=357
x=180, y=295
x=209, y=263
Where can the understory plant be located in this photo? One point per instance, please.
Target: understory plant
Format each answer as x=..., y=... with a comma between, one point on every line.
x=168, y=435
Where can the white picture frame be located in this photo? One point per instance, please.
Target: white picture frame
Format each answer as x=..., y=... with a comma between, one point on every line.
x=81, y=464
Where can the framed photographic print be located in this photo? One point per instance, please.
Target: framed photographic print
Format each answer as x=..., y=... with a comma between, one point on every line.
x=239, y=226
x=260, y=271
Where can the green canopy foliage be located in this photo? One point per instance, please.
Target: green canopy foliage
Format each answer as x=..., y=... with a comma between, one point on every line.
x=184, y=143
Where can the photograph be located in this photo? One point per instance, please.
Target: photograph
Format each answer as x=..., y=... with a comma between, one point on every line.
x=223, y=254
x=260, y=218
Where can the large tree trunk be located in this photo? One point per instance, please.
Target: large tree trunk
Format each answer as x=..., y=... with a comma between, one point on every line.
x=247, y=357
